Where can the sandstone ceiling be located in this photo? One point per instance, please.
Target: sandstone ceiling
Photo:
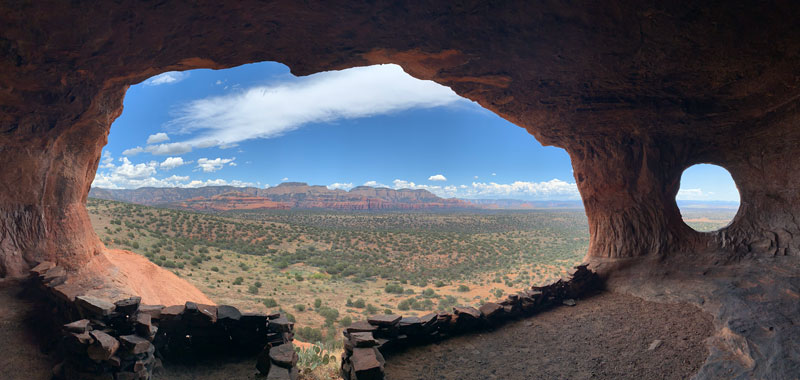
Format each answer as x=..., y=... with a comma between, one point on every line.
x=635, y=91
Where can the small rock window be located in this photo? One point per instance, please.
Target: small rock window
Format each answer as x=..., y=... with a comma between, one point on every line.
x=708, y=197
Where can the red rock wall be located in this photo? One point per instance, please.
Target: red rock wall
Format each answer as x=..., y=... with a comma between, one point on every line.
x=635, y=91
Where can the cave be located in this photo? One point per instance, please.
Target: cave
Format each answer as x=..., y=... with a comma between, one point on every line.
x=636, y=92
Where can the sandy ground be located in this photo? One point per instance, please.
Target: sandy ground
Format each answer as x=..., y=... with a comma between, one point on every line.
x=22, y=345
x=117, y=274
x=604, y=337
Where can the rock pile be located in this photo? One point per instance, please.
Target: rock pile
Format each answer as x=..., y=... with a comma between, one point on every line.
x=112, y=341
x=366, y=342
x=127, y=340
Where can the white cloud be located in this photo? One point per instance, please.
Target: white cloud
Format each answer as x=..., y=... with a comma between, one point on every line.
x=696, y=194
x=172, y=163
x=131, y=171
x=341, y=186
x=270, y=111
x=437, y=177
x=160, y=149
x=108, y=161
x=375, y=184
x=132, y=151
x=476, y=177
x=553, y=189
x=169, y=149
x=166, y=78
x=157, y=138
x=285, y=179
x=209, y=165
x=494, y=174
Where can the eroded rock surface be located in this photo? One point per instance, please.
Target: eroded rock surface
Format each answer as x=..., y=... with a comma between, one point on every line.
x=635, y=92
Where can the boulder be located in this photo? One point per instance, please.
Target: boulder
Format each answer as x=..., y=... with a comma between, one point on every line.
x=228, y=313
x=94, y=306
x=569, y=302
x=283, y=355
x=104, y=346
x=199, y=315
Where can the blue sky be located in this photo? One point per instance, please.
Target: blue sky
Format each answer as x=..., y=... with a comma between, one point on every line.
x=258, y=125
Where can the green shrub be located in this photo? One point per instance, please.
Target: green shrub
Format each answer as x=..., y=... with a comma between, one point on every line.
x=270, y=302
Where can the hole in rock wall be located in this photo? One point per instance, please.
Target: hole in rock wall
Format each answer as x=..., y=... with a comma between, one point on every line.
x=708, y=197
x=334, y=196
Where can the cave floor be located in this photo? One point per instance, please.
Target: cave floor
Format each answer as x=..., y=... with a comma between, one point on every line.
x=23, y=342
x=606, y=336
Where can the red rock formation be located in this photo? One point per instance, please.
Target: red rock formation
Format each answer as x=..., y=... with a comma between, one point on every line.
x=635, y=92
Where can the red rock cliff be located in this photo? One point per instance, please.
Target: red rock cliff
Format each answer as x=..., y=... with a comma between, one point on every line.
x=635, y=91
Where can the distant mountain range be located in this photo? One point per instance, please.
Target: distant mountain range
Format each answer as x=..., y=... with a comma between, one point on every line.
x=299, y=195
x=288, y=195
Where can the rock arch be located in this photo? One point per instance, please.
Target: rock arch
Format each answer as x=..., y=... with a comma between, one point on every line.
x=634, y=91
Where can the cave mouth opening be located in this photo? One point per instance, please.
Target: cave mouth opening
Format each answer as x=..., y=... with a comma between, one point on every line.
x=199, y=166
x=708, y=197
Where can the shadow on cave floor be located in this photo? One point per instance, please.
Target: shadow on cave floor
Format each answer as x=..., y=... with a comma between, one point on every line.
x=606, y=336
x=26, y=334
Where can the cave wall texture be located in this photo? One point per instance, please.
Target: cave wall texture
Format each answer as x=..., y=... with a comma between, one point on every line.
x=635, y=91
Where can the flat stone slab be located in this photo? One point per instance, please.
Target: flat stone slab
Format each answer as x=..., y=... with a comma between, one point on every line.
x=363, y=339
x=384, y=319
x=409, y=321
x=172, y=312
x=490, y=309
x=467, y=311
x=153, y=310
x=428, y=319
x=42, y=268
x=55, y=276
x=365, y=363
x=283, y=355
x=104, y=346
x=94, y=305
x=280, y=324
x=80, y=326
x=128, y=306
x=67, y=292
x=361, y=326
x=135, y=344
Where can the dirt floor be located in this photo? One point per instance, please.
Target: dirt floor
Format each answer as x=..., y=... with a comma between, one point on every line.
x=22, y=343
x=607, y=336
x=604, y=337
